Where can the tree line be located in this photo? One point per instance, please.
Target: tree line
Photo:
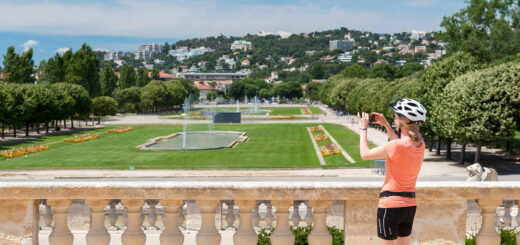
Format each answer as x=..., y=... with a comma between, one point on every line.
x=468, y=102
x=72, y=86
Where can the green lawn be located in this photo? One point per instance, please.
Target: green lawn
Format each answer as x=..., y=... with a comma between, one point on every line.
x=269, y=146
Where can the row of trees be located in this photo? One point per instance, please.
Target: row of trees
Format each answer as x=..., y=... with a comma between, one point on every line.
x=155, y=96
x=468, y=101
x=29, y=104
x=251, y=88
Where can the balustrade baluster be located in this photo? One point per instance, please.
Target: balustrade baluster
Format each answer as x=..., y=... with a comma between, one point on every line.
x=208, y=234
x=133, y=234
x=60, y=235
x=256, y=216
x=282, y=235
x=320, y=234
x=245, y=234
x=152, y=216
x=112, y=215
x=269, y=217
x=296, y=218
x=517, y=222
x=230, y=216
x=47, y=218
x=97, y=234
x=308, y=216
x=171, y=234
x=488, y=234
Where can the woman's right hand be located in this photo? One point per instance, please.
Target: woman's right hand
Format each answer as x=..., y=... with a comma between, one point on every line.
x=380, y=119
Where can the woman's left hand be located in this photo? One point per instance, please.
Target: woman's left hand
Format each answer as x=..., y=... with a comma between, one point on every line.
x=363, y=119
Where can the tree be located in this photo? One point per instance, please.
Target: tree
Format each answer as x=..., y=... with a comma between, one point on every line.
x=127, y=78
x=481, y=106
x=155, y=95
x=483, y=29
x=45, y=105
x=108, y=80
x=304, y=78
x=384, y=71
x=82, y=103
x=236, y=90
x=178, y=92
x=6, y=106
x=83, y=69
x=103, y=106
x=354, y=70
x=64, y=106
x=155, y=74
x=142, y=77
x=18, y=69
x=211, y=95
x=313, y=91
x=289, y=90
x=129, y=99
x=408, y=69
x=318, y=72
x=55, y=69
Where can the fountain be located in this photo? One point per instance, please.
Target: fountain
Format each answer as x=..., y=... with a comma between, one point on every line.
x=196, y=140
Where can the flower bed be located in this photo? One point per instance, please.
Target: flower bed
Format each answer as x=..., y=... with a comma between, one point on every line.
x=316, y=129
x=329, y=149
x=306, y=111
x=321, y=137
x=120, y=130
x=82, y=138
x=283, y=117
x=23, y=151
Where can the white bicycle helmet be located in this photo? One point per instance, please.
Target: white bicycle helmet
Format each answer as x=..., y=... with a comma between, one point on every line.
x=411, y=109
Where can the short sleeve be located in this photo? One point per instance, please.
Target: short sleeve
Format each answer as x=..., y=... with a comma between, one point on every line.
x=391, y=148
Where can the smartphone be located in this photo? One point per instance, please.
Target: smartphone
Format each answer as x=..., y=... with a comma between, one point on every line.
x=372, y=118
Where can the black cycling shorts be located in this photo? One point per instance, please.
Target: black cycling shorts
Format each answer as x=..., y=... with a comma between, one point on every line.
x=395, y=222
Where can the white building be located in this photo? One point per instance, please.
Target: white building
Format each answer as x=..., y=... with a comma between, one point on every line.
x=241, y=44
x=346, y=57
x=400, y=62
x=416, y=35
x=341, y=44
x=184, y=53
x=113, y=55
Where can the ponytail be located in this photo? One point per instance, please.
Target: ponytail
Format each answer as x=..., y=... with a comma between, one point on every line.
x=412, y=128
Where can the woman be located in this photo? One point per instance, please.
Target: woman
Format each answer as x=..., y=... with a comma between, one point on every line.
x=404, y=157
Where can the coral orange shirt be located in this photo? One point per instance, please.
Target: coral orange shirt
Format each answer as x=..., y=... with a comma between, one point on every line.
x=402, y=168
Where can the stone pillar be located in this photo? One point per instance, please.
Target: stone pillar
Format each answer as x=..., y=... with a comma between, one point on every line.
x=295, y=218
x=361, y=222
x=171, y=234
x=488, y=234
x=269, y=218
x=282, y=235
x=152, y=216
x=245, y=234
x=19, y=221
x=440, y=219
x=133, y=234
x=208, y=234
x=518, y=233
x=97, y=234
x=112, y=215
x=60, y=235
x=320, y=235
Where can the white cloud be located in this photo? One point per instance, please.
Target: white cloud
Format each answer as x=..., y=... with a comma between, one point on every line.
x=29, y=44
x=62, y=50
x=183, y=19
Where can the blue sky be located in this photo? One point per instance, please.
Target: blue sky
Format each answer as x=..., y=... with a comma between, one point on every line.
x=54, y=25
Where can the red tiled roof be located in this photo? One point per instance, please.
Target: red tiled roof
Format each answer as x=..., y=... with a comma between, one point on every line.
x=204, y=87
x=2, y=75
x=163, y=74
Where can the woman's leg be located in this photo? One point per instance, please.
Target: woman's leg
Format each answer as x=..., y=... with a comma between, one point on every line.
x=404, y=240
x=388, y=242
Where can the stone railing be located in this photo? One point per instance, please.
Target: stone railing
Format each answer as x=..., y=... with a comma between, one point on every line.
x=441, y=212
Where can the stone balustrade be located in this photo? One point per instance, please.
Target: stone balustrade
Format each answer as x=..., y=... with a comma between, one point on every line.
x=441, y=212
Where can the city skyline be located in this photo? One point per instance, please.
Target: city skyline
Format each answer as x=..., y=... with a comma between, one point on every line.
x=124, y=24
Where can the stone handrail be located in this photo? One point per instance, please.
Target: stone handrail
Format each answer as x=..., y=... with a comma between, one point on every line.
x=441, y=212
